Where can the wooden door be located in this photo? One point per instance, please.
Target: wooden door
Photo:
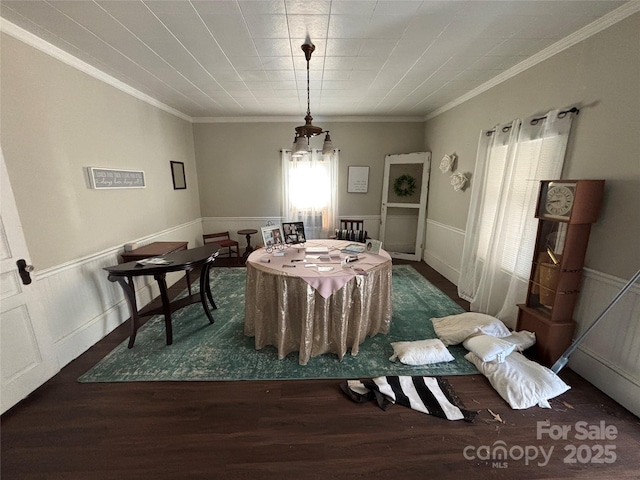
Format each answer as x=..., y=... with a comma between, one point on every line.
x=26, y=347
x=404, y=204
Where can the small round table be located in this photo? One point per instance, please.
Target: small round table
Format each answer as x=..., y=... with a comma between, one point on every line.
x=247, y=232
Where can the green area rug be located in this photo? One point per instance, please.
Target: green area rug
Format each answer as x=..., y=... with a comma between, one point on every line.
x=205, y=352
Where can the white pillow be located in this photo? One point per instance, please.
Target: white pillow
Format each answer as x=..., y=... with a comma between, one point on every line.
x=421, y=352
x=522, y=339
x=488, y=348
x=521, y=382
x=456, y=329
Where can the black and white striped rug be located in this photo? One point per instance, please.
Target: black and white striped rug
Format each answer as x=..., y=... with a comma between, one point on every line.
x=430, y=395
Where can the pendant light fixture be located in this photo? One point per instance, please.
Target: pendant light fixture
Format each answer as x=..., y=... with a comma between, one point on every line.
x=308, y=130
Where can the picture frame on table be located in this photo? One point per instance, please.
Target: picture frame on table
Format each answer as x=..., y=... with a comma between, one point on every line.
x=272, y=236
x=294, y=232
x=373, y=246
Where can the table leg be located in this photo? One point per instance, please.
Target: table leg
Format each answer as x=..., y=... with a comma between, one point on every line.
x=166, y=305
x=249, y=248
x=130, y=293
x=205, y=291
x=188, y=281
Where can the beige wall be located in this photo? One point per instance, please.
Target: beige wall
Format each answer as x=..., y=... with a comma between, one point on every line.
x=56, y=121
x=601, y=76
x=239, y=171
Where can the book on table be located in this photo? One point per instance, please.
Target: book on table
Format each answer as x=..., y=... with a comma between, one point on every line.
x=317, y=250
x=353, y=248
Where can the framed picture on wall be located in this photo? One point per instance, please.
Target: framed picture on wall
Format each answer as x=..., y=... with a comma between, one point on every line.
x=177, y=173
x=358, y=181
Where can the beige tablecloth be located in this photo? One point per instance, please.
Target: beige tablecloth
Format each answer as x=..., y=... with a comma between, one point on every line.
x=284, y=306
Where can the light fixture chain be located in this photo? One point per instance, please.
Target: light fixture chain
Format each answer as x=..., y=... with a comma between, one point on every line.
x=308, y=97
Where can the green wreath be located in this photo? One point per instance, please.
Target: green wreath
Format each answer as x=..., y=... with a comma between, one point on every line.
x=404, y=186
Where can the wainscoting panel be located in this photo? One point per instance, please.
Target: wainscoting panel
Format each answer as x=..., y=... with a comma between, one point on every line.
x=83, y=306
x=609, y=356
x=443, y=249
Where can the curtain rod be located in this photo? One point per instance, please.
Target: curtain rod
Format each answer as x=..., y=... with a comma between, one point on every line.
x=561, y=114
x=535, y=121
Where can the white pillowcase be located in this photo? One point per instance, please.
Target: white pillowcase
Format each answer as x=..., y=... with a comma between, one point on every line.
x=421, y=352
x=455, y=329
x=521, y=382
x=488, y=348
x=522, y=339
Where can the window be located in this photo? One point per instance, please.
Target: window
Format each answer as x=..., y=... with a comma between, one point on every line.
x=501, y=226
x=310, y=191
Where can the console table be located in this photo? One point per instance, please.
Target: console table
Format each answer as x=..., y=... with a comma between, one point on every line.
x=156, y=249
x=184, y=260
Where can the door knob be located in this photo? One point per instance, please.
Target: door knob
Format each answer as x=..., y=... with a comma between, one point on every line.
x=24, y=270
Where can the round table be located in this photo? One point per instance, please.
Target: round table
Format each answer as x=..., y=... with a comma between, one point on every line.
x=247, y=232
x=327, y=308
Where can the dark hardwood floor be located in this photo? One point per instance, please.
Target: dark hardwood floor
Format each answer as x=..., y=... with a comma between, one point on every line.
x=302, y=430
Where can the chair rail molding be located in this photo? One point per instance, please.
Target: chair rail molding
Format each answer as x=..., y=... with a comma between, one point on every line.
x=84, y=306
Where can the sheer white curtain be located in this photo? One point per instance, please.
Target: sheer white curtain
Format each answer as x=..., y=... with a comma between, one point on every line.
x=501, y=226
x=310, y=191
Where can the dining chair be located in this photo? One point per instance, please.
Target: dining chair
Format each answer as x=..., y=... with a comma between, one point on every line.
x=224, y=240
x=346, y=224
x=351, y=230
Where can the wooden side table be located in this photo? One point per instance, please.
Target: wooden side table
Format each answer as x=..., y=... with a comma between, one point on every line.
x=247, y=232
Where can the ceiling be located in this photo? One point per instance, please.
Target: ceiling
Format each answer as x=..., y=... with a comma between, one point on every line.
x=242, y=58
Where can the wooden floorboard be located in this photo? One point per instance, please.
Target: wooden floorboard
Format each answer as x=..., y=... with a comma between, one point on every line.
x=297, y=429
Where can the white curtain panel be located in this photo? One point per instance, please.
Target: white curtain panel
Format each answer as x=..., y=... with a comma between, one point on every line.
x=501, y=226
x=310, y=191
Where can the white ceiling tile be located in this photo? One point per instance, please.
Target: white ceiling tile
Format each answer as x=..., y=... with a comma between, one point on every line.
x=314, y=26
x=316, y=7
x=268, y=26
x=397, y=7
x=265, y=7
x=339, y=63
x=352, y=7
x=215, y=7
x=274, y=47
x=343, y=47
x=243, y=57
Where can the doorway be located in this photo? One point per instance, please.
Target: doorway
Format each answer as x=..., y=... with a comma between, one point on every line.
x=404, y=204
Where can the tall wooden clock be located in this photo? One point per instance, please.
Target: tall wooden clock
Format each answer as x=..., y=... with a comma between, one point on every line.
x=566, y=209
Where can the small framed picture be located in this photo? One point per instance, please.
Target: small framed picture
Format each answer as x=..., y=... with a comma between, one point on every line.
x=272, y=236
x=177, y=173
x=373, y=246
x=294, y=232
x=358, y=180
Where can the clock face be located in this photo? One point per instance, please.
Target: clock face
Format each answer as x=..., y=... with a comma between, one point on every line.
x=559, y=201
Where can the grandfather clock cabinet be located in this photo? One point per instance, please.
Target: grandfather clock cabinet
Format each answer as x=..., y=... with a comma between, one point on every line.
x=566, y=210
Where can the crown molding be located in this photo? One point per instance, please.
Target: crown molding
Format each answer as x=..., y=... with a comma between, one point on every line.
x=287, y=119
x=578, y=36
x=38, y=43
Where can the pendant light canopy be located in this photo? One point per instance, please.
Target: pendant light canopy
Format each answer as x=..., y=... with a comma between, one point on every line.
x=308, y=130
